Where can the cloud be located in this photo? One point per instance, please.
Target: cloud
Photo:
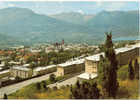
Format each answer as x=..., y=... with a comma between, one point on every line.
x=2, y=4
x=115, y=6
x=109, y=6
x=11, y=5
x=5, y=4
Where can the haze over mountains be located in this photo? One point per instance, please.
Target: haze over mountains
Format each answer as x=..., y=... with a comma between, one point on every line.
x=23, y=26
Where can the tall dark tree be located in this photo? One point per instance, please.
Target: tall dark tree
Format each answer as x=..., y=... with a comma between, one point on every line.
x=38, y=86
x=136, y=66
x=130, y=71
x=108, y=68
x=52, y=78
x=5, y=96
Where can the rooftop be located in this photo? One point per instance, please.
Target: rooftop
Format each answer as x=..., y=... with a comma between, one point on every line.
x=87, y=76
x=96, y=57
x=79, y=61
x=22, y=68
x=43, y=68
x=5, y=71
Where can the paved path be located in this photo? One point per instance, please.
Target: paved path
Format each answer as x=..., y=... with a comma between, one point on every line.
x=13, y=88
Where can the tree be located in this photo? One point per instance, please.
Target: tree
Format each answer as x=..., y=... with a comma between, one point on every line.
x=44, y=84
x=52, y=78
x=85, y=91
x=130, y=70
x=136, y=66
x=108, y=68
x=5, y=96
x=38, y=86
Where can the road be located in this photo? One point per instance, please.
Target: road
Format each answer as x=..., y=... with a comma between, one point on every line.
x=69, y=81
x=13, y=88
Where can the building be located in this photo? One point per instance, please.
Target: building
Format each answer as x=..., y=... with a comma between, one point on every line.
x=14, y=63
x=123, y=55
x=4, y=73
x=20, y=71
x=3, y=80
x=44, y=70
x=70, y=67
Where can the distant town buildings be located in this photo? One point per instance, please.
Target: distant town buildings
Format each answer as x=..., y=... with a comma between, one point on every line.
x=88, y=65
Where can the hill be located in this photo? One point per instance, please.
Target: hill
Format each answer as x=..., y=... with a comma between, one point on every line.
x=73, y=17
x=28, y=27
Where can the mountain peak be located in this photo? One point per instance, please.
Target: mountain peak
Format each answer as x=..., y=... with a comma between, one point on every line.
x=16, y=10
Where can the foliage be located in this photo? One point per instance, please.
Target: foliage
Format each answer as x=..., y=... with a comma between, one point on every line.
x=85, y=91
x=123, y=72
x=130, y=71
x=52, y=78
x=128, y=89
x=108, y=68
x=5, y=96
x=38, y=85
x=136, y=66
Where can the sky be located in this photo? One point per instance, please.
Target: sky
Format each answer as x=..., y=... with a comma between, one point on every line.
x=50, y=8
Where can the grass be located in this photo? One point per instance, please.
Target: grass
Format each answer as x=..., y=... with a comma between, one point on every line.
x=127, y=88
x=63, y=93
x=31, y=92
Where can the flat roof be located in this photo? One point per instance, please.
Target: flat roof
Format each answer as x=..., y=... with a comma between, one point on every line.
x=88, y=76
x=4, y=71
x=95, y=57
x=79, y=61
x=1, y=65
x=0, y=68
x=21, y=68
x=43, y=68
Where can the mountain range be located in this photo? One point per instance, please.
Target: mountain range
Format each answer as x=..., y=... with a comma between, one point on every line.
x=24, y=26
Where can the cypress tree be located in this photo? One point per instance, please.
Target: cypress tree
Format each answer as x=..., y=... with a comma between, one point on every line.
x=108, y=68
x=136, y=66
x=5, y=96
x=130, y=70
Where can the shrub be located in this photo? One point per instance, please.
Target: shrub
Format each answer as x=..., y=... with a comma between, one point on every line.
x=52, y=78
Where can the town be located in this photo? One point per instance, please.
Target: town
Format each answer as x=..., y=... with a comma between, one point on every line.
x=18, y=64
